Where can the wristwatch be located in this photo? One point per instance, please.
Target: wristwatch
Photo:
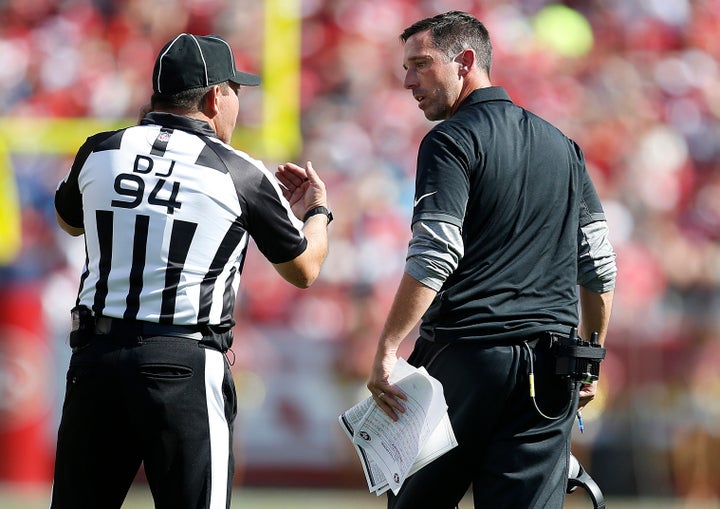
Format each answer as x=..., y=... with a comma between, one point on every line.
x=318, y=210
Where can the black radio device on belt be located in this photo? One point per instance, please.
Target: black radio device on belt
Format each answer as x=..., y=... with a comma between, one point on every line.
x=577, y=358
x=83, y=326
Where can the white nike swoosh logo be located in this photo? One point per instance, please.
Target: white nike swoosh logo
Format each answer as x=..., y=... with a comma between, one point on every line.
x=423, y=197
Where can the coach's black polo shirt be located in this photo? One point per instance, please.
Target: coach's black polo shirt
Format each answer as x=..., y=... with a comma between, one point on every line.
x=519, y=190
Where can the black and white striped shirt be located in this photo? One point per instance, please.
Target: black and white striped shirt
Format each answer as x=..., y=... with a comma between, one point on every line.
x=167, y=210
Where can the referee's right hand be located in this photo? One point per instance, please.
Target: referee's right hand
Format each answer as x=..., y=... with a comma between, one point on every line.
x=304, y=190
x=302, y=187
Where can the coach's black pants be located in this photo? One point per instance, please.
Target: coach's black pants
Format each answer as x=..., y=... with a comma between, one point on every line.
x=512, y=456
x=168, y=402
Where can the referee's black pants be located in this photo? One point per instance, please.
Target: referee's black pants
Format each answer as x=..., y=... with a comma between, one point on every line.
x=511, y=456
x=167, y=402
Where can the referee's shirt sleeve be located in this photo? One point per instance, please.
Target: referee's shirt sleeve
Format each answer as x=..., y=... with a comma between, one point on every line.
x=68, y=200
x=272, y=224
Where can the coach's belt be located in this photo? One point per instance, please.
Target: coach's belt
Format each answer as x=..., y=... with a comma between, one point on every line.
x=108, y=325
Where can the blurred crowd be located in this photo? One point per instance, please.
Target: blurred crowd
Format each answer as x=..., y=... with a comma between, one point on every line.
x=635, y=82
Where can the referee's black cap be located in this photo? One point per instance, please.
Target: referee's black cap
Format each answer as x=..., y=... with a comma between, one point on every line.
x=194, y=61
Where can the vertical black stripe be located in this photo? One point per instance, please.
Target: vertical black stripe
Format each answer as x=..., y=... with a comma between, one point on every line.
x=83, y=276
x=140, y=241
x=228, y=299
x=104, y=219
x=160, y=144
x=233, y=237
x=180, y=240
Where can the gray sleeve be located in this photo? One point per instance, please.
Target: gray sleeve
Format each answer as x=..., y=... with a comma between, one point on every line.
x=596, y=259
x=434, y=252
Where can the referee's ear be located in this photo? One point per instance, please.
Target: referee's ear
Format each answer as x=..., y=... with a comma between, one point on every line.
x=211, y=101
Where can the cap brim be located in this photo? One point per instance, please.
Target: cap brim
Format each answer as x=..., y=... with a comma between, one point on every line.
x=245, y=78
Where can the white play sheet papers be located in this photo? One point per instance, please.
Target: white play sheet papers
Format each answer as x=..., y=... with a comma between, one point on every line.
x=391, y=451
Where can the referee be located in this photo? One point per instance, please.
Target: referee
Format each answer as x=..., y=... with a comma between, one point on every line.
x=167, y=209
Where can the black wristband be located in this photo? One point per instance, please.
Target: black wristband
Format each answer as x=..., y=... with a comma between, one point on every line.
x=318, y=210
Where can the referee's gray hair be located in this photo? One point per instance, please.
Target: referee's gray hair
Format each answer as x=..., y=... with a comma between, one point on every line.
x=186, y=100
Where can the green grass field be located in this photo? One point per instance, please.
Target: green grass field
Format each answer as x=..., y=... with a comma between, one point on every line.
x=257, y=498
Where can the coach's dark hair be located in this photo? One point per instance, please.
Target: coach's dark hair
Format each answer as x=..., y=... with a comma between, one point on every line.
x=453, y=32
x=187, y=100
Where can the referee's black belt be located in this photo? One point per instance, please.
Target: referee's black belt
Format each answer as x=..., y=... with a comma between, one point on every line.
x=108, y=325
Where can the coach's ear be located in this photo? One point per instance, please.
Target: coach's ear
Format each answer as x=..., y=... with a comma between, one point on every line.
x=466, y=59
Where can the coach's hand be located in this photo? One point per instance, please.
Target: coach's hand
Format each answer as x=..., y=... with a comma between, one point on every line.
x=388, y=397
x=587, y=394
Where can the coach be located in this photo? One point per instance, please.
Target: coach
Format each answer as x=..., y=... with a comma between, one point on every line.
x=167, y=209
x=508, y=235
